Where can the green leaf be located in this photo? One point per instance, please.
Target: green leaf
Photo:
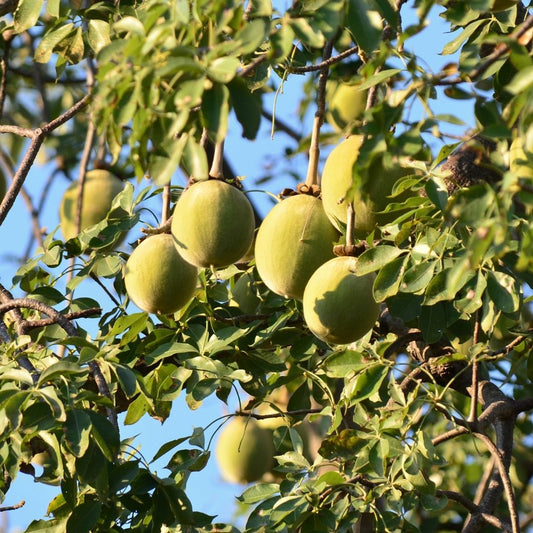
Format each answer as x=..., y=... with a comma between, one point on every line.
x=364, y=24
x=388, y=280
x=215, y=109
x=378, y=78
x=84, y=517
x=504, y=291
x=105, y=435
x=26, y=14
x=417, y=277
x=342, y=363
x=127, y=380
x=77, y=431
x=258, y=492
x=98, y=34
x=523, y=81
x=247, y=107
x=305, y=32
x=376, y=258
x=61, y=369
x=48, y=526
x=195, y=160
x=50, y=40
x=223, y=69
x=52, y=7
x=367, y=382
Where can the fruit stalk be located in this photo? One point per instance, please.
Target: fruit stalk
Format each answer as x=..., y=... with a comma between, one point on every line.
x=314, y=150
x=217, y=165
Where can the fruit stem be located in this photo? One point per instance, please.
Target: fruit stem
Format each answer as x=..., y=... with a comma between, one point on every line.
x=166, y=204
x=314, y=150
x=216, y=170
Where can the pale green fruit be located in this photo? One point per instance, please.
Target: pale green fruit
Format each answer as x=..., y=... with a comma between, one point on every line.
x=294, y=239
x=518, y=160
x=244, y=294
x=244, y=451
x=338, y=306
x=99, y=190
x=157, y=278
x=346, y=105
x=213, y=224
x=337, y=179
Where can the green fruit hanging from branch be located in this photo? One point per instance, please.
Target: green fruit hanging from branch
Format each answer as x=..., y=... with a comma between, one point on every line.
x=213, y=224
x=340, y=183
x=294, y=239
x=244, y=451
x=339, y=306
x=157, y=279
x=99, y=190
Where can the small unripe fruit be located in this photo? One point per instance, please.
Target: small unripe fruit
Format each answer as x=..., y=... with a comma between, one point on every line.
x=346, y=105
x=99, y=190
x=244, y=451
x=157, y=278
x=294, y=239
x=213, y=224
x=338, y=306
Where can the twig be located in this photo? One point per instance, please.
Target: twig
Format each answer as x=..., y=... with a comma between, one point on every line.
x=3, y=71
x=472, y=417
x=325, y=63
x=37, y=137
x=314, y=150
x=13, y=507
x=497, y=53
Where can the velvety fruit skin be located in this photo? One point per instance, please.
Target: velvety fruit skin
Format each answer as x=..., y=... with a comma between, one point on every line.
x=244, y=451
x=346, y=105
x=294, y=239
x=99, y=190
x=337, y=178
x=339, y=306
x=213, y=224
x=157, y=278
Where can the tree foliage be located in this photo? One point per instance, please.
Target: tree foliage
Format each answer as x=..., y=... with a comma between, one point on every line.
x=424, y=422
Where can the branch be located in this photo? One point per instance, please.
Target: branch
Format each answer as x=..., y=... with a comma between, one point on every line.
x=500, y=50
x=326, y=63
x=37, y=136
x=13, y=507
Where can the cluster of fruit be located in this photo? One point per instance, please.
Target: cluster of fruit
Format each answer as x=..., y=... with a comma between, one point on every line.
x=213, y=226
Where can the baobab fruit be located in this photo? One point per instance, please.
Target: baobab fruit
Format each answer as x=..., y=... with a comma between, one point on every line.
x=339, y=184
x=294, y=239
x=213, y=224
x=345, y=105
x=157, y=279
x=99, y=190
x=244, y=451
x=338, y=305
